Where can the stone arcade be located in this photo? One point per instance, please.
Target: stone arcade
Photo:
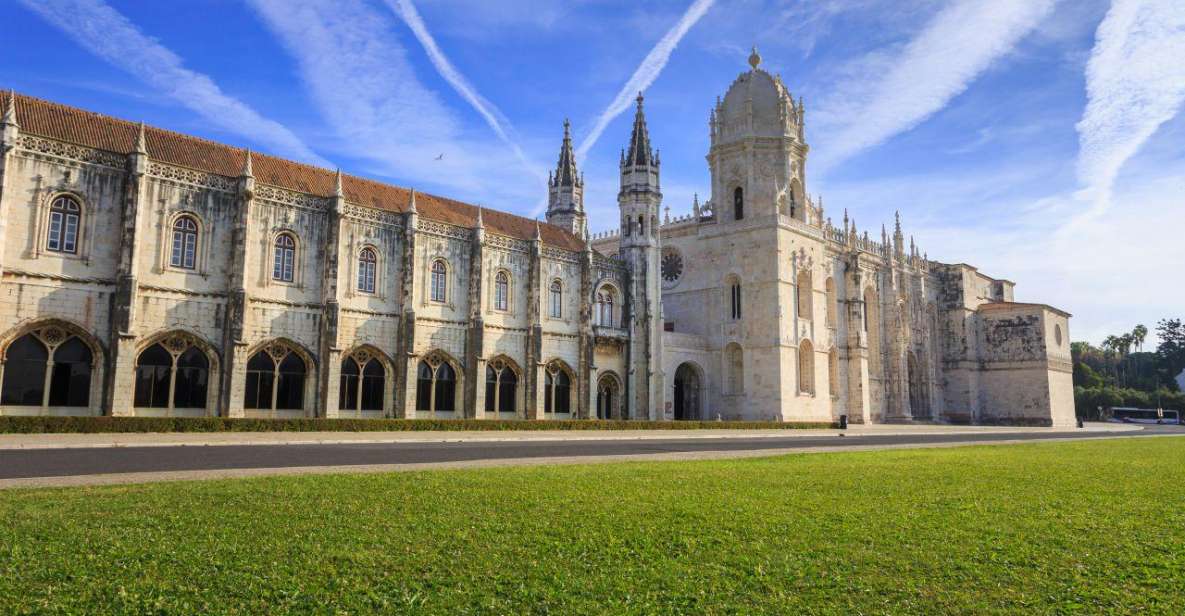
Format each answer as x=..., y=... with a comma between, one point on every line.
x=150, y=273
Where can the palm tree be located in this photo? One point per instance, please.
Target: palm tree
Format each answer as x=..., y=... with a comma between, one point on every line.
x=1138, y=335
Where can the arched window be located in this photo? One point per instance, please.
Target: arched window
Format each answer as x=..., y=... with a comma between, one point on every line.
x=872, y=327
x=172, y=374
x=363, y=383
x=367, y=270
x=738, y=203
x=501, y=387
x=603, y=308
x=806, y=368
x=502, y=291
x=275, y=379
x=436, y=385
x=557, y=299
x=438, y=281
x=805, y=295
x=833, y=372
x=734, y=293
x=641, y=226
x=65, y=219
x=608, y=397
x=557, y=389
x=284, y=268
x=735, y=360
x=185, y=237
x=47, y=367
x=829, y=311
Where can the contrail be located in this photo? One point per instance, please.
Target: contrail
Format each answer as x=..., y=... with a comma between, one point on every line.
x=647, y=72
x=496, y=120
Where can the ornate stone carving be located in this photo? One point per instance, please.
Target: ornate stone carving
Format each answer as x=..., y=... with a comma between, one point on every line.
x=182, y=175
x=76, y=153
x=287, y=197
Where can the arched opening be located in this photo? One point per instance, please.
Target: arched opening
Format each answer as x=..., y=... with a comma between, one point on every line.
x=284, y=259
x=436, y=385
x=557, y=389
x=172, y=374
x=687, y=393
x=363, y=383
x=833, y=372
x=872, y=329
x=502, y=291
x=738, y=203
x=797, y=201
x=47, y=367
x=368, y=267
x=733, y=284
x=185, y=243
x=276, y=377
x=501, y=387
x=438, y=281
x=65, y=223
x=829, y=311
x=609, y=397
x=806, y=368
x=805, y=295
x=918, y=400
x=556, y=299
x=734, y=361
x=605, y=307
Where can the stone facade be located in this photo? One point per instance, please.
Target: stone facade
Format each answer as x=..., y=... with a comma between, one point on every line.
x=150, y=273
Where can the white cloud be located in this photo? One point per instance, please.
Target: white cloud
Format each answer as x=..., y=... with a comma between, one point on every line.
x=896, y=91
x=646, y=72
x=488, y=111
x=103, y=31
x=1135, y=81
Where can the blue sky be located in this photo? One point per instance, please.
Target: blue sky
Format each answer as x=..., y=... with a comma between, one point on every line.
x=1037, y=139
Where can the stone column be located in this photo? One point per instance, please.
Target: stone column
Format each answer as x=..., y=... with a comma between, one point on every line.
x=234, y=343
x=533, y=368
x=405, y=366
x=121, y=371
x=9, y=133
x=329, y=352
x=584, y=372
x=475, y=338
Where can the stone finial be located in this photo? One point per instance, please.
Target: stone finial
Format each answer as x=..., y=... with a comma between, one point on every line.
x=695, y=209
x=10, y=112
x=754, y=58
x=338, y=189
x=666, y=215
x=248, y=167
x=141, y=141
x=538, y=231
x=480, y=222
x=411, y=206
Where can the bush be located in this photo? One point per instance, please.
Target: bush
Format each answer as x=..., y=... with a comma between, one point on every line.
x=87, y=425
x=1088, y=400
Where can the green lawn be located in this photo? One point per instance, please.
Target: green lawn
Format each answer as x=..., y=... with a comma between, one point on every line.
x=1055, y=527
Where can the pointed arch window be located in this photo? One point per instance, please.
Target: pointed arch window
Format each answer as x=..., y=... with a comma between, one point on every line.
x=829, y=311
x=502, y=291
x=603, y=308
x=501, y=387
x=557, y=390
x=367, y=270
x=438, y=280
x=363, y=383
x=284, y=266
x=185, y=243
x=172, y=374
x=436, y=386
x=805, y=295
x=556, y=301
x=65, y=220
x=275, y=379
x=47, y=368
x=806, y=368
x=738, y=203
x=833, y=372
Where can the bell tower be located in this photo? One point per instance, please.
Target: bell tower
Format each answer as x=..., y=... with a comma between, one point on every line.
x=565, y=191
x=639, y=200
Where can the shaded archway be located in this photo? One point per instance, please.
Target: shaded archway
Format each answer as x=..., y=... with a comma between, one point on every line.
x=688, y=392
x=918, y=400
x=609, y=397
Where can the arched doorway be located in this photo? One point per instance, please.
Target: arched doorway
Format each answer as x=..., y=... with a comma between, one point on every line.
x=608, y=397
x=687, y=393
x=918, y=406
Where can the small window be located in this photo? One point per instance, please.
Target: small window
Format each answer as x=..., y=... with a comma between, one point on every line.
x=185, y=237
x=738, y=203
x=557, y=299
x=65, y=218
x=501, y=291
x=603, y=310
x=439, y=277
x=367, y=270
x=735, y=293
x=284, y=268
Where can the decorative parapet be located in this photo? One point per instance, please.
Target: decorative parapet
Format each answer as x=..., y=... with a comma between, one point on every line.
x=556, y=254
x=604, y=235
x=373, y=215
x=444, y=230
x=613, y=264
x=283, y=196
x=200, y=179
x=71, y=152
x=507, y=243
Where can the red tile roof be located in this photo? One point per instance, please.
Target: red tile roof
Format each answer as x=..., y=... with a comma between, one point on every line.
x=1017, y=306
x=85, y=128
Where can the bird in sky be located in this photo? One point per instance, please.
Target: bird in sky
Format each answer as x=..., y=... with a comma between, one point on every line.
x=441, y=157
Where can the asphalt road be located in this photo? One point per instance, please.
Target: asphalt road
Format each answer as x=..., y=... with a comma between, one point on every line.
x=15, y=464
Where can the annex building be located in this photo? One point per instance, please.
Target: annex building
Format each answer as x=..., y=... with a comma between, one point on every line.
x=145, y=272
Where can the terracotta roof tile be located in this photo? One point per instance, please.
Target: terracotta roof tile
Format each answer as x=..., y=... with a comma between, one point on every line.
x=72, y=125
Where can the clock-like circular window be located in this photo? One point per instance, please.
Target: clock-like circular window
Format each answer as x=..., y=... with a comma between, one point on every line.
x=672, y=265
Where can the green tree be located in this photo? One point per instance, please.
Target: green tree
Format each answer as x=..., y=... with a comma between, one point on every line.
x=1172, y=345
x=1139, y=333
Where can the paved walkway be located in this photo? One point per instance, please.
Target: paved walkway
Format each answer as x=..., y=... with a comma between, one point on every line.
x=206, y=439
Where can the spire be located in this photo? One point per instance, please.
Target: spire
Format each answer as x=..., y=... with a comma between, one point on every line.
x=480, y=223
x=538, y=231
x=897, y=232
x=411, y=206
x=10, y=111
x=565, y=169
x=141, y=141
x=754, y=58
x=338, y=190
x=248, y=169
x=639, y=154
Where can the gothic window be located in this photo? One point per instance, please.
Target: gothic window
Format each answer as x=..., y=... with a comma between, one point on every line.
x=833, y=373
x=557, y=389
x=363, y=383
x=47, y=368
x=368, y=263
x=284, y=267
x=275, y=379
x=502, y=291
x=436, y=385
x=603, y=308
x=172, y=374
x=829, y=315
x=65, y=219
x=734, y=291
x=501, y=387
x=557, y=299
x=185, y=238
x=806, y=368
x=805, y=295
x=738, y=203
x=439, y=278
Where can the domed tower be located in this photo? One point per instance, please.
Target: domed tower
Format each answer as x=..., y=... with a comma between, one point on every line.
x=639, y=200
x=565, y=191
x=758, y=152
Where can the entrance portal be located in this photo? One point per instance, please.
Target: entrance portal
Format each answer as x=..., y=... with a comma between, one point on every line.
x=687, y=393
x=918, y=406
x=608, y=398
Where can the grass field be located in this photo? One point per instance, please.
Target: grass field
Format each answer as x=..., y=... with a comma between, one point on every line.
x=1056, y=527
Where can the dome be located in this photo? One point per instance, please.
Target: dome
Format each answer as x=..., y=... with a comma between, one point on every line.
x=774, y=113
